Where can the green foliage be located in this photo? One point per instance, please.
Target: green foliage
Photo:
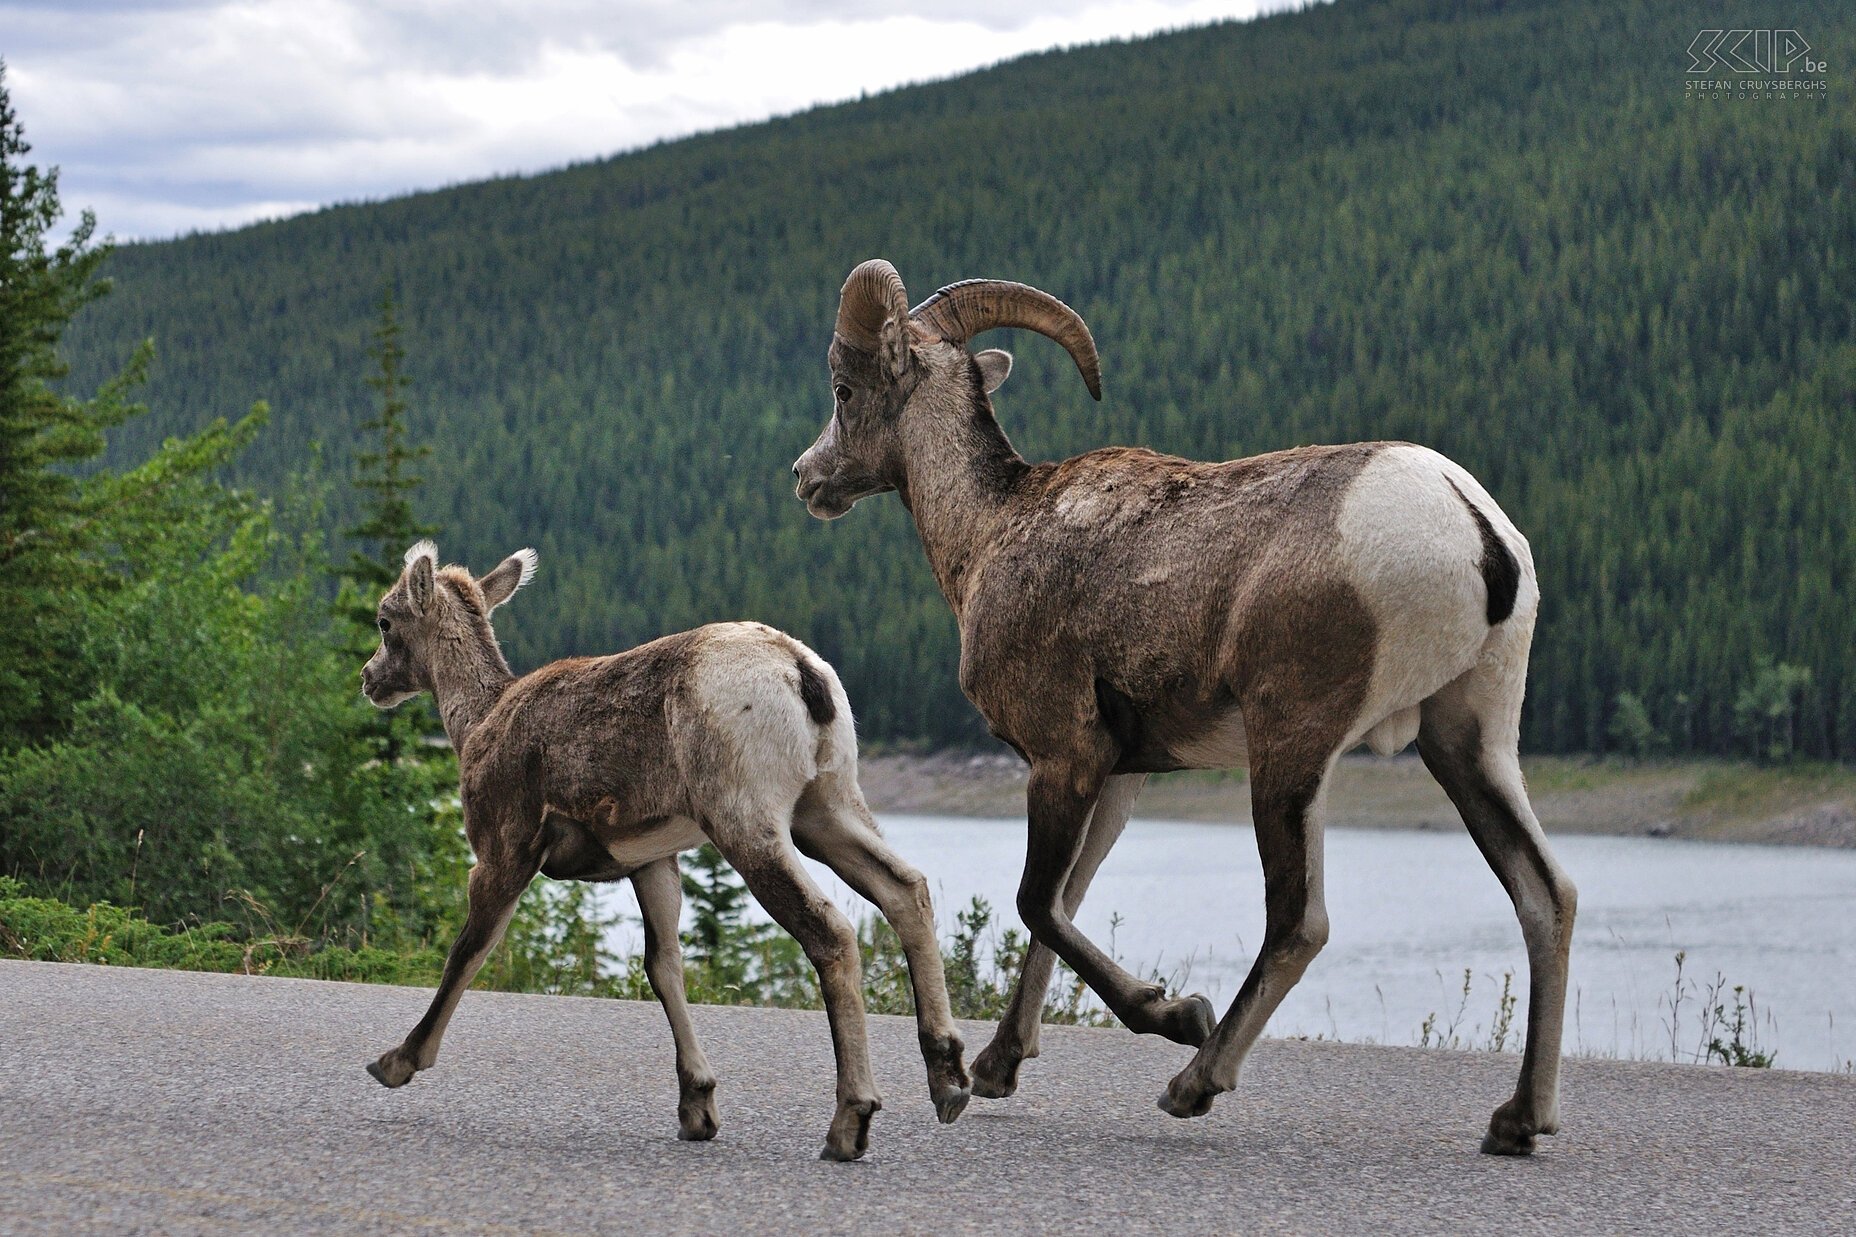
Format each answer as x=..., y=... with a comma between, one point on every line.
x=47, y=930
x=1631, y=731
x=730, y=959
x=1730, y=1037
x=1447, y=1030
x=1767, y=710
x=381, y=478
x=1500, y=230
x=224, y=750
x=47, y=515
x=555, y=943
x=179, y=729
x=1736, y=1038
x=983, y=963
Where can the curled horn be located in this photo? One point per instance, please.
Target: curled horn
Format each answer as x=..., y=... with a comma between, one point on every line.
x=872, y=294
x=960, y=311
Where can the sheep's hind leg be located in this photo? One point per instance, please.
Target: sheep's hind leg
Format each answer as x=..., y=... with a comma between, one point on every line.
x=1477, y=765
x=833, y=825
x=659, y=888
x=761, y=851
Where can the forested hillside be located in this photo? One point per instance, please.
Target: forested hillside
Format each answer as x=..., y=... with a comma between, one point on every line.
x=1501, y=230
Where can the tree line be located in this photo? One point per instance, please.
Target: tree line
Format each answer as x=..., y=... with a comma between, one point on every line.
x=1501, y=230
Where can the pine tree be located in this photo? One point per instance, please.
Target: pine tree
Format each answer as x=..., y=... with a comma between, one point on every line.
x=43, y=507
x=69, y=533
x=388, y=526
x=720, y=940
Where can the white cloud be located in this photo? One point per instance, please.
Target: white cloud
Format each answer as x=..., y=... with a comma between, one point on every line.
x=185, y=114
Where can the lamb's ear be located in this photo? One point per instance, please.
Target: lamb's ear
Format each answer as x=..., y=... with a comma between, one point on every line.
x=995, y=364
x=510, y=574
x=420, y=580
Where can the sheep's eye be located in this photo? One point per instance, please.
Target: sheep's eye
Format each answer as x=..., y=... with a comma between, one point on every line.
x=842, y=392
x=386, y=625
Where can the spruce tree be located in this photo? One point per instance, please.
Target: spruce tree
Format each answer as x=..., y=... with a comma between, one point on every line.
x=42, y=433
x=383, y=475
x=720, y=940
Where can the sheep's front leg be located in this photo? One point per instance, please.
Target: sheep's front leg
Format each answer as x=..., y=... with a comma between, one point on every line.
x=995, y=1070
x=762, y=852
x=1059, y=801
x=659, y=887
x=495, y=887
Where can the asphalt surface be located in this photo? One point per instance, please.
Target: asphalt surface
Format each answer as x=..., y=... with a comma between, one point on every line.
x=164, y=1102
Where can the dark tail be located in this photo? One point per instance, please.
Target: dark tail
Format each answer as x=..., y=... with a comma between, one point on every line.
x=815, y=690
x=1501, y=574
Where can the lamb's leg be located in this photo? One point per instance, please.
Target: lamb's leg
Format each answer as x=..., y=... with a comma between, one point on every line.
x=995, y=1070
x=761, y=851
x=834, y=826
x=496, y=884
x=659, y=887
x=1058, y=802
x=1287, y=778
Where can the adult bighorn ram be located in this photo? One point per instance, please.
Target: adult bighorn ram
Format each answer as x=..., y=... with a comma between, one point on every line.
x=1124, y=613
x=601, y=768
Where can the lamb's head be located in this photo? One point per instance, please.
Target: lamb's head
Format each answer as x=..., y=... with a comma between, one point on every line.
x=890, y=363
x=432, y=608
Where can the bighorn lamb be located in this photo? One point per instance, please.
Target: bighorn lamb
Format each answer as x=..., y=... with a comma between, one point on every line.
x=1124, y=613
x=600, y=768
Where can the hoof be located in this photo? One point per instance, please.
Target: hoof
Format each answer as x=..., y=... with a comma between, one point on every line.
x=696, y=1119
x=1507, y=1144
x=849, y=1136
x=699, y=1131
x=995, y=1070
x=1191, y=1020
x=949, y=1085
x=1509, y=1134
x=1186, y=1099
x=949, y=1104
x=995, y=1073
x=392, y=1070
x=1173, y=1106
x=1187, y=1020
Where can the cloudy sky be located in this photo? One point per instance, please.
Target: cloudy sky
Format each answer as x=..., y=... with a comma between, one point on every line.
x=167, y=116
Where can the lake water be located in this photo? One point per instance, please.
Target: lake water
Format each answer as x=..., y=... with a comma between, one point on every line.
x=1411, y=911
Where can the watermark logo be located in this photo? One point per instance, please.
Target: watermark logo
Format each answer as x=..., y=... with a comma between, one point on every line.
x=1751, y=51
x=1754, y=64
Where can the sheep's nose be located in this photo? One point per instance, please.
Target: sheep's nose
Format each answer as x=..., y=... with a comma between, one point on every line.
x=795, y=470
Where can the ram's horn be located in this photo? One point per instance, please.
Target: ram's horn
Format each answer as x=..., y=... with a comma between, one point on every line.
x=872, y=294
x=960, y=311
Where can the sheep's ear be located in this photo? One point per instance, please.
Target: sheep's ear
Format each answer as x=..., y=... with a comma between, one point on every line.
x=995, y=365
x=510, y=574
x=894, y=347
x=420, y=582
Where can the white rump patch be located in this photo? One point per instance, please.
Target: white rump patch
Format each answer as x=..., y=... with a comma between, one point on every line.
x=424, y=549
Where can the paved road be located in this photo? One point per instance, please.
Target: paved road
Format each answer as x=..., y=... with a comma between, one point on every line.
x=163, y=1102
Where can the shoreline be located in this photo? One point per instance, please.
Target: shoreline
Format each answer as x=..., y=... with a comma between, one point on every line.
x=1703, y=800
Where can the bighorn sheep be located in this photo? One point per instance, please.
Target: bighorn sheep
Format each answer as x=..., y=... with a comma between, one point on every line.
x=601, y=768
x=1123, y=613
